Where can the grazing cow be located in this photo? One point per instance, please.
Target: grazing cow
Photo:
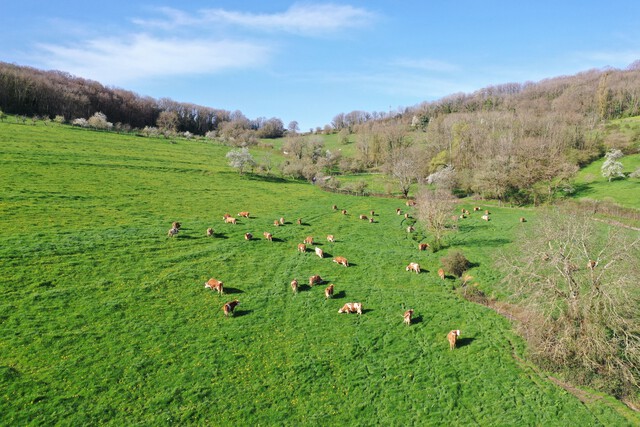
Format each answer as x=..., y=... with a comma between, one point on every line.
x=244, y=214
x=485, y=217
x=423, y=246
x=225, y=216
x=522, y=219
x=476, y=209
x=371, y=220
x=209, y=232
x=328, y=292
x=294, y=286
x=176, y=225
x=268, y=236
x=407, y=316
x=465, y=212
x=281, y=221
x=592, y=264
x=406, y=216
x=487, y=212
x=344, y=211
x=230, y=220
x=351, y=307
x=441, y=273
x=172, y=232
x=313, y=280
x=364, y=217
x=334, y=207
x=413, y=266
x=229, y=307
x=302, y=247
x=214, y=284
x=276, y=223
x=248, y=236
x=398, y=211
x=410, y=229
x=299, y=221
x=411, y=203
x=341, y=261
x=463, y=216
x=373, y=213
x=330, y=238
x=319, y=252
x=453, y=337
x=309, y=240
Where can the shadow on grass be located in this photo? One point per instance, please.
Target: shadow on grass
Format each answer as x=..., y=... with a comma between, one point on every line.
x=367, y=310
x=232, y=291
x=219, y=236
x=417, y=319
x=339, y=295
x=462, y=342
x=582, y=190
x=277, y=239
x=304, y=288
x=240, y=313
x=268, y=178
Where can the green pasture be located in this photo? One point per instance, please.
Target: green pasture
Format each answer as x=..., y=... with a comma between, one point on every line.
x=105, y=320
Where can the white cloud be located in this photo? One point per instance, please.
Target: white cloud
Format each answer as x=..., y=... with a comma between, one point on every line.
x=125, y=59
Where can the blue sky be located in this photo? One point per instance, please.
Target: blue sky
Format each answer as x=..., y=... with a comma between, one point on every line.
x=308, y=61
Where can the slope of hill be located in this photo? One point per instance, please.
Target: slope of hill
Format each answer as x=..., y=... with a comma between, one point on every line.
x=106, y=320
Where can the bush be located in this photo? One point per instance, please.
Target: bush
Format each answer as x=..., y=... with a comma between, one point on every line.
x=455, y=263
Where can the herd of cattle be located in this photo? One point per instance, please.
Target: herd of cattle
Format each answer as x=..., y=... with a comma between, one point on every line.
x=350, y=307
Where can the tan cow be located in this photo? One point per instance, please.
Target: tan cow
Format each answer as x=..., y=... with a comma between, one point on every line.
x=363, y=217
x=411, y=203
x=441, y=273
x=398, y=211
x=230, y=220
x=351, y=307
x=248, y=236
x=423, y=246
x=410, y=229
x=341, y=261
x=172, y=232
x=299, y=221
x=592, y=264
x=227, y=215
x=453, y=338
x=330, y=238
x=215, y=285
x=302, y=247
x=315, y=280
x=406, y=216
x=294, y=286
x=281, y=221
x=209, y=232
x=487, y=212
x=268, y=236
x=407, y=316
x=344, y=211
x=244, y=214
x=476, y=209
x=373, y=213
x=328, y=292
x=334, y=207
x=522, y=219
x=276, y=223
x=371, y=220
x=319, y=252
x=309, y=240
x=413, y=266
x=229, y=307
x=485, y=217
x=176, y=225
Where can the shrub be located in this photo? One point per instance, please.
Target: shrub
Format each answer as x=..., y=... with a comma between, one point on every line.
x=455, y=263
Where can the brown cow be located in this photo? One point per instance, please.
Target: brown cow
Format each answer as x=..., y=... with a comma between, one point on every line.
x=330, y=238
x=328, y=292
x=522, y=219
x=230, y=220
x=313, y=280
x=373, y=213
x=453, y=337
x=423, y=246
x=209, y=232
x=302, y=247
x=294, y=286
x=334, y=207
x=341, y=261
x=364, y=217
x=229, y=307
x=407, y=316
x=351, y=307
x=441, y=273
x=299, y=221
x=371, y=220
x=411, y=203
x=176, y=225
x=268, y=236
x=172, y=232
x=276, y=223
x=406, y=216
x=309, y=240
x=244, y=214
x=344, y=211
x=413, y=266
x=592, y=264
x=319, y=252
x=227, y=215
x=248, y=236
x=476, y=209
x=398, y=211
x=410, y=229
x=215, y=285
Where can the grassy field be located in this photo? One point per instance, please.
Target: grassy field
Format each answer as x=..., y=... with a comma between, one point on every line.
x=105, y=320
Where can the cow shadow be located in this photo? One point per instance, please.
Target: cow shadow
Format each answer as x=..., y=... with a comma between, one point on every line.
x=277, y=239
x=417, y=319
x=367, y=310
x=327, y=255
x=217, y=236
x=462, y=342
x=339, y=295
x=305, y=224
x=240, y=313
x=232, y=290
x=304, y=288
x=352, y=264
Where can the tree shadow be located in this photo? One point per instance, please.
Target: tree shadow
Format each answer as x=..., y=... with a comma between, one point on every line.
x=240, y=313
x=232, y=291
x=267, y=178
x=462, y=342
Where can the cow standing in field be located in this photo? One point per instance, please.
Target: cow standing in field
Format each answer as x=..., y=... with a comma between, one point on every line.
x=453, y=338
x=172, y=232
x=341, y=261
x=441, y=273
x=423, y=246
x=315, y=280
x=176, y=224
x=299, y=221
x=328, y=292
x=523, y=219
x=215, y=285
x=330, y=238
x=248, y=236
x=302, y=248
x=373, y=213
x=229, y=307
x=592, y=264
x=230, y=220
x=334, y=207
x=294, y=286
x=485, y=217
x=344, y=211
x=410, y=229
x=276, y=223
x=413, y=266
x=209, y=232
x=351, y=307
x=281, y=221
x=308, y=240
x=268, y=236
x=407, y=316
x=319, y=252
x=363, y=217
x=244, y=214
x=398, y=211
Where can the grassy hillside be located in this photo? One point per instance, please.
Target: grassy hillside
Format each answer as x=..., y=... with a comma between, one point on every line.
x=105, y=320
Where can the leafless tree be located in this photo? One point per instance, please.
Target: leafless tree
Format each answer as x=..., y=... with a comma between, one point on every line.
x=436, y=213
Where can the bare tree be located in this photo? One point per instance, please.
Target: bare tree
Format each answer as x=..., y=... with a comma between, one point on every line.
x=435, y=213
x=241, y=159
x=577, y=282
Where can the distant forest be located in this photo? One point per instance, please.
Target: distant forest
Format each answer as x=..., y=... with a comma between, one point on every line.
x=517, y=142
